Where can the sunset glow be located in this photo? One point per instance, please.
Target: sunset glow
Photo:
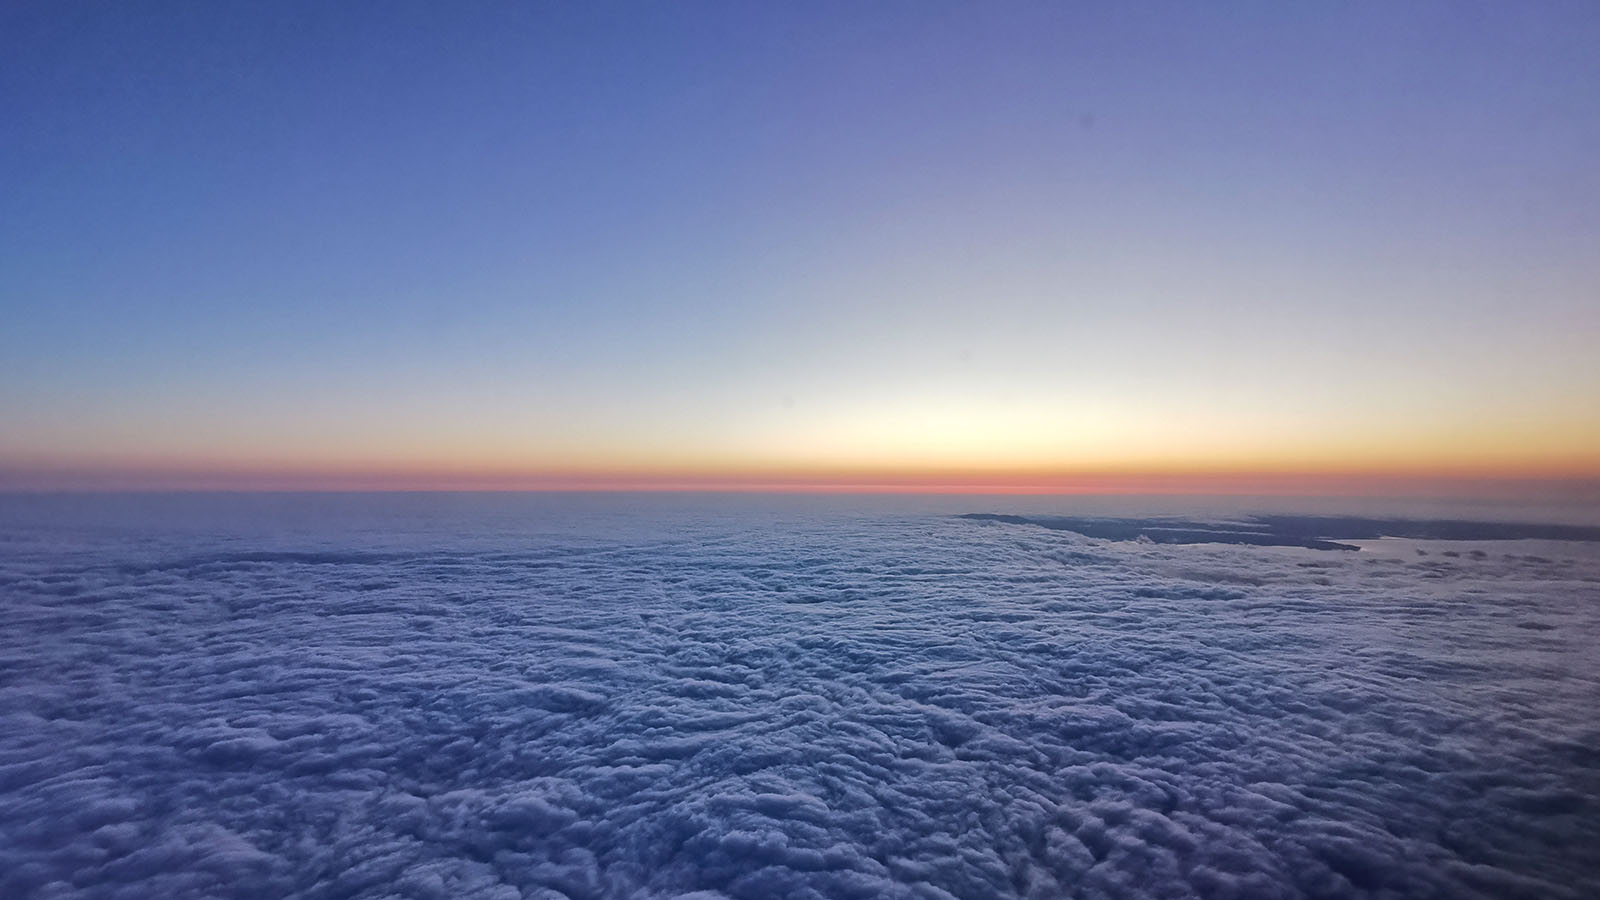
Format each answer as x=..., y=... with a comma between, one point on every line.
x=759, y=247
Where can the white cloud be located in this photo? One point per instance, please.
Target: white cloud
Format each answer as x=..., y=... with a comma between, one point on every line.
x=867, y=707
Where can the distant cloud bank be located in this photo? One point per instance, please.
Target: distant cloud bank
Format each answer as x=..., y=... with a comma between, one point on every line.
x=1310, y=532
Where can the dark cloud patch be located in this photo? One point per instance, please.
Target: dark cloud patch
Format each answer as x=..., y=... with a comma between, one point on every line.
x=1311, y=532
x=844, y=707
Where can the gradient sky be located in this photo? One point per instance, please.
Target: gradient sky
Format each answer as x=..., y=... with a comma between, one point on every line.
x=546, y=243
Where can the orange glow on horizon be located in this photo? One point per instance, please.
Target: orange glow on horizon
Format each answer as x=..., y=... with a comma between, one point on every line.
x=212, y=475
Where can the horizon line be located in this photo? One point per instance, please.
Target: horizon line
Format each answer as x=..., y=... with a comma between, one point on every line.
x=379, y=480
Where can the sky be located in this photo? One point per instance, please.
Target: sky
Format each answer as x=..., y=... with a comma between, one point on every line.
x=822, y=245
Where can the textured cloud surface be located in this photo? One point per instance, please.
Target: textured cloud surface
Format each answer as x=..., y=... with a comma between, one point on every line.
x=808, y=703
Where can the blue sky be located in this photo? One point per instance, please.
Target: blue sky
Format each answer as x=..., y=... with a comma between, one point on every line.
x=629, y=237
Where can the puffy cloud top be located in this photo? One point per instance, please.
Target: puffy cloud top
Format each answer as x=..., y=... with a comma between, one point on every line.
x=827, y=706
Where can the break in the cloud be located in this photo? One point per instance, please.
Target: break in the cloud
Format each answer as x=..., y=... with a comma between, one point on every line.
x=799, y=704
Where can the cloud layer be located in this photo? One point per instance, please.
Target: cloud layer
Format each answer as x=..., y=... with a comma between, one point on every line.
x=808, y=706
